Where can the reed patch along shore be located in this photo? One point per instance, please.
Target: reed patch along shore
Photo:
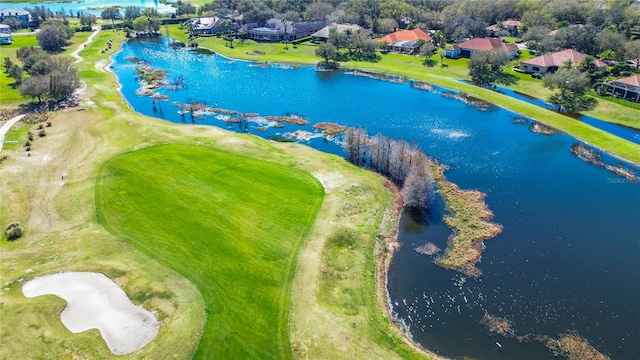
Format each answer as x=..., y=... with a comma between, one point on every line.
x=470, y=223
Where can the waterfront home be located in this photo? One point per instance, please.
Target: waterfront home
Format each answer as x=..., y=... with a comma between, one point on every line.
x=323, y=34
x=206, y=26
x=626, y=88
x=405, y=41
x=23, y=17
x=279, y=30
x=5, y=34
x=551, y=62
x=469, y=47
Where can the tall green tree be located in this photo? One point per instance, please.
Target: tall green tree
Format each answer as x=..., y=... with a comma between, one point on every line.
x=485, y=68
x=111, y=13
x=571, y=85
x=427, y=49
x=63, y=79
x=328, y=52
x=338, y=39
x=87, y=19
x=30, y=56
x=16, y=73
x=132, y=12
x=632, y=52
x=54, y=35
x=35, y=87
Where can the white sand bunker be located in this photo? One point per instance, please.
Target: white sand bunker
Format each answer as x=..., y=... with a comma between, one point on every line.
x=95, y=302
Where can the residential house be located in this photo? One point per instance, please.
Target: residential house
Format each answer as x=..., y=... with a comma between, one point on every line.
x=469, y=47
x=510, y=26
x=626, y=88
x=207, y=26
x=323, y=34
x=278, y=30
x=551, y=62
x=405, y=41
x=5, y=34
x=23, y=16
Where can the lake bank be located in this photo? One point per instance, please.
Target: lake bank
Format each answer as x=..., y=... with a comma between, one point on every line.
x=304, y=55
x=521, y=172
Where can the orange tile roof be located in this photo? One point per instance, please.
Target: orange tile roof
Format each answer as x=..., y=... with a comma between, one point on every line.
x=559, y=58
x=408, y=35
x=484, y=44
x=631, y=80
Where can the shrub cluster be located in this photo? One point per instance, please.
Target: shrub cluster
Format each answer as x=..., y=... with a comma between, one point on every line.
x=14, y=231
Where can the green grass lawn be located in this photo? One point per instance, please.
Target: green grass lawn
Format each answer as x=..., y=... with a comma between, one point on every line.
x=16, y=136
x=410, y=67
x=225, y=222
x=9, y=93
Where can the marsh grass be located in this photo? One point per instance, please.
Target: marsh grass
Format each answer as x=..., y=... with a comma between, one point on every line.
x=449, y=76
x=498, y=325
x=470, y=222
x=574, y=347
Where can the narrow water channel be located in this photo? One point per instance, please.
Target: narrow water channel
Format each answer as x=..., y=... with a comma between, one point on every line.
x=568, y=258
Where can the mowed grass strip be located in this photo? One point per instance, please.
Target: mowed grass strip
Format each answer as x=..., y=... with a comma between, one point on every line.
x=230, y=224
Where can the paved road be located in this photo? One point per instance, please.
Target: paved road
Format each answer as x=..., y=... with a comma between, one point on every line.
x=96, y=30
x=5, y=128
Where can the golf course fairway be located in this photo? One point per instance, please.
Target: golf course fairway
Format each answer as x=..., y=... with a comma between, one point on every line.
x=231, y=224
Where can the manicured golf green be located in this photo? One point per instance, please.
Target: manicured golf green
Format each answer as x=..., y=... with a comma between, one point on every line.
x=230, y=224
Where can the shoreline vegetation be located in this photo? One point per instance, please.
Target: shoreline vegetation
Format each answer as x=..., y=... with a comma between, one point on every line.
x=470, y=223
x=103, y=127
x=593, y=157
x=414, y=72
x=569, y=345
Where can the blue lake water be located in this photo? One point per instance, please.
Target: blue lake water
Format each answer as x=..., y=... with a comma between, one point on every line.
x=624, y=132
x=568, y=258
x=94, y=7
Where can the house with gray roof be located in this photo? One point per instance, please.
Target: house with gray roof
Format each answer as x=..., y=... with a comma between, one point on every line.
x=5, y=34
x=323, y=34
x=23, y=16
x=206, y=26
x=278, y=30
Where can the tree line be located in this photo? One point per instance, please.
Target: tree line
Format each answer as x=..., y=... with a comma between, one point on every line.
x=403, y=163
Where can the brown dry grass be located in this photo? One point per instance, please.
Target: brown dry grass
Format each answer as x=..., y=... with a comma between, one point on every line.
x=574, y=347
x=330, y=128
x=498, y=325
x=62, y=235
x=470, y=222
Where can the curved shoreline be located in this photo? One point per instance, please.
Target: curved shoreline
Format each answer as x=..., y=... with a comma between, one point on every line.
x=388, y=241
x=580, y=131
x=384, y=298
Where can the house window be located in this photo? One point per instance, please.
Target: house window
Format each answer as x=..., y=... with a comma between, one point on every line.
x=535, y=68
